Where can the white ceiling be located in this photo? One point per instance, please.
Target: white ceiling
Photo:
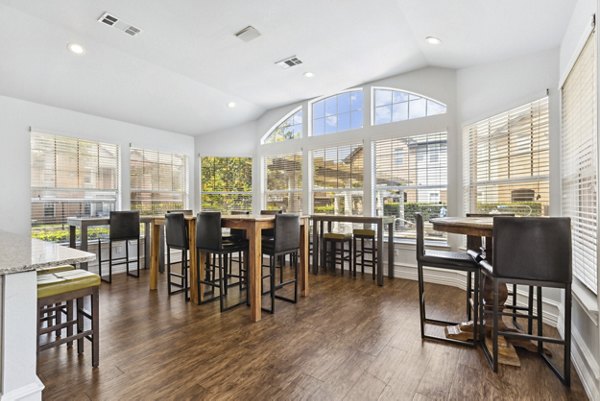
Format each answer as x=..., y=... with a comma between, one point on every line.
x=186, y=65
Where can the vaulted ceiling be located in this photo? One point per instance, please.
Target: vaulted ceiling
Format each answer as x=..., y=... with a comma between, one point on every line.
x=184, y=67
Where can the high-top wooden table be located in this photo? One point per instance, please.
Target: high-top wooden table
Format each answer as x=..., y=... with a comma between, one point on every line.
x=253, y=225
x=379, y=221
x=84, y=222
x=484, y=227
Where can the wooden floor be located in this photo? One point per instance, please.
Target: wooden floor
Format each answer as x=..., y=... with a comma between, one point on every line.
x=350, y=340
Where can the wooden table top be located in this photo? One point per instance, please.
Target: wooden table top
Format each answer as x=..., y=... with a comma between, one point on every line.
x=476, y=226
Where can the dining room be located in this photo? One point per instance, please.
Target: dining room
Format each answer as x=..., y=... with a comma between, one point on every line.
x=366, y=202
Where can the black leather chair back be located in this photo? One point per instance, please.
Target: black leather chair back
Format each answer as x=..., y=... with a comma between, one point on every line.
x=420, y=236
x=176, y=230
x=287, y=232
x=533, y=248
x=186, y=212
x=124, y=225
x=208, y=231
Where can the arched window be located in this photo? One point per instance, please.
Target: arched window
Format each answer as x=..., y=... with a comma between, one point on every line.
x=289, y=128
x=391, y=105
x=341, y=112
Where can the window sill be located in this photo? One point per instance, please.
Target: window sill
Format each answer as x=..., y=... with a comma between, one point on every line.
x=586, y=299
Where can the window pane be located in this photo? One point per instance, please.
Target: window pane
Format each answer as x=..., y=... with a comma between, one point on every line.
x=434, y=108
x=343, y=102
x=400, y=111
x=289, y=129
x=383, y=115
x=383, y=97
x=411, y=176
x=319, y=126
x=417, y=108
x=342, y=112
x=356, y=119
x=226, y=183
x=283, y=187
x=343, y=123
x=331, y=106
x=404, y=106
x=158, y=181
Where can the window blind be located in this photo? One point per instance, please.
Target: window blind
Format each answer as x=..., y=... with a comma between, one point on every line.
x=283, y=186
x=70, y=177
x=338, y=179
x=226, y=183
x=579, y=162
x=158, y=181
x=411, y=175
x=508, y=161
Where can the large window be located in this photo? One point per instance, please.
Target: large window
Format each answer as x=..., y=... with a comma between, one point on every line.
x=392, y=105
x=226, y=183
x=579, y=162
x=290, y=128
x=158, y=181
x=283, y=186
x=506, y=161
x=338, y=180
x=341, y=112
x=70, y=177
x=411, y=176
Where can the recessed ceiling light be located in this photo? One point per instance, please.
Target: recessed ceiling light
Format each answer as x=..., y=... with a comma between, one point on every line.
x=231, y=105
x=432, y=40
x=75, y=48
x=309, y=74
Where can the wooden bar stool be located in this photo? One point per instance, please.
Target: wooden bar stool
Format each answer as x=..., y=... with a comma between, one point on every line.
x=334, y=255
x=63, y=288
x=368, y=246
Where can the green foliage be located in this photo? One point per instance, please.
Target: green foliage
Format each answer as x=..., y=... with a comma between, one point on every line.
x=518, y=208
x=53, y=233
x=221, y=174
x=429, y=210
x=325, y=209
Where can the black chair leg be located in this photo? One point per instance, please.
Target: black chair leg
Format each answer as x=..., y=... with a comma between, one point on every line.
x=469, y=289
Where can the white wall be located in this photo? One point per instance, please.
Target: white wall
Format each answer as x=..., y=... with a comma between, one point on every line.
x=586, y=331
x=18, y=115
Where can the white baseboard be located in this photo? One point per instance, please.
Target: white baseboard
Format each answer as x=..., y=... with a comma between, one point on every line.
x=30, y=392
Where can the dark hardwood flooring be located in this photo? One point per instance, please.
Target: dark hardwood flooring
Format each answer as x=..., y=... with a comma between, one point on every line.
x=350, y=340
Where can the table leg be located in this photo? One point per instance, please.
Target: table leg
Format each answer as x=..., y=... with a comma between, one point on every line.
x=380, y=253
x=315, y=258
x=84, y=243
x=193, y=268
x=72, y=236
x=200, y=286
x=255, y=271
x=304, y=254
x=321, y=231
x=147, y=240
x=154, y=251
x=391, y=250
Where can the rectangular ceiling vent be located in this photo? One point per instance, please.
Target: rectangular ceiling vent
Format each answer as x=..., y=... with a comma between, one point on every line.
x=248, y=33
x=115, y=22
x=289, y=62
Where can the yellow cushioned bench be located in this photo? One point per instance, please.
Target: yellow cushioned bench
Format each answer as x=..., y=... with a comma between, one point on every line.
x=65, y=281
x=338, y=236
x=364, y=232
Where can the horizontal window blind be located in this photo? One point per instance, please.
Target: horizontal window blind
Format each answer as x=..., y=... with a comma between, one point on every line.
x=283, y=186
x=70, y=177
x=508, y=161
x=579, y=162
x=338, y=175
x=226, y=183
x=158, y=181
x=411, y=175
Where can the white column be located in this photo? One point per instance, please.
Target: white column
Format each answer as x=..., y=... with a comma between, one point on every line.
x=18, y=320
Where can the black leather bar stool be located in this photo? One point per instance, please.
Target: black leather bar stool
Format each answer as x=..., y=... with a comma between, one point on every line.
x=286, y=241
x=460, y=261
x=209, y=238
x=368, y=247
x=533, y=251
x=177, y=237
x=124, y=227
x=335, y=251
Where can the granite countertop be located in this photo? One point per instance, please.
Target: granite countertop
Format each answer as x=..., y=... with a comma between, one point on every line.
x=19, y=253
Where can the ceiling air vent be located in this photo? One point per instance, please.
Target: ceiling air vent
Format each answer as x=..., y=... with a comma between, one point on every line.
x=248, y=33
x=289, y=62
x=114, y=21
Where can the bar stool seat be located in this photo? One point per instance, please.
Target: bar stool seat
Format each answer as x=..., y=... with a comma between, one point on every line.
x=362, y=236
x=56, y=292
x=332, y=255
